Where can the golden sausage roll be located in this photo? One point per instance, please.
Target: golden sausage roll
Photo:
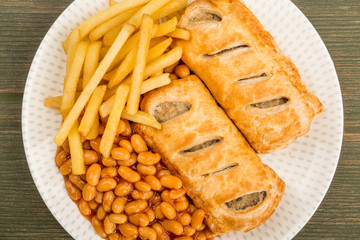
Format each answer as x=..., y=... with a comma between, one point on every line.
x=258, y=87
x=198, y=142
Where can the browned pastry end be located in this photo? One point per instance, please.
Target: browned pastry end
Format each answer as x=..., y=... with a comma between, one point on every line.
x=221, y=172
x=259, y=88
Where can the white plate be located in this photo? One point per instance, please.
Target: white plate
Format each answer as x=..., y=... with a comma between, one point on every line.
x=307, y=166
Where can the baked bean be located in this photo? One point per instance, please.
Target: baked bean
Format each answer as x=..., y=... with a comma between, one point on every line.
x=128, y=130
x=108, y=200
x=182, y=71
x=86, y=145
x=174, y=194
x=138, y=143
x=121, y=127
x=120, y=153
x=135, y=206
x=73, y=191
x=95, y=144
x=189, y=231
x=99, y=197
x=135, y=194
x=161, y=234
x=108, y=172
x=123, y=189
x=90, y=157
x=61, y=157
x=171, y=181
x=65, y=146
x=77, y=180
x=173, y=76
x=128, y=230
x=109, y=162
x=89, y=192
x=154, y=183
x=159, y=213
x=82, y=138
x=165, y=196
x=168, y=210
x=106, y=184
x=93, y=174
x=92, y=204
x=131, y=161
x=197, y=218
x=147, y=233
x=98, y=227
x=202, y=227
x=181, y=206
x=192, y=208
x=200, y=236
x=128, y=174
x=151, y=214
x=84, y=207
x=65, y=168
x=185, y=219
x=139, y=219
x=148, y=158
x=118, y=204
x=109, y=226
x=126, y=144
x=114, y=236
x=100, y=213
x=173, y=226
x=183, y=238
x=145, y=169
x=118, y=218
x=143, y=186
x=101, y=130
x=163, y=173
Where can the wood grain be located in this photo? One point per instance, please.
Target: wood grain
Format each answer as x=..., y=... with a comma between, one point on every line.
x=23, y=24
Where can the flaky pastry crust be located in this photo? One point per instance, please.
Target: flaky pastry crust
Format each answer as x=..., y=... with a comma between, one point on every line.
x=245, y=71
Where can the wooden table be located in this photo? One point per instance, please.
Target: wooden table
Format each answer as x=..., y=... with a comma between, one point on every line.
x=23, y=24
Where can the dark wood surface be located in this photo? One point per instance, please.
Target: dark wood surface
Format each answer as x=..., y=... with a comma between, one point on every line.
x=23, y=24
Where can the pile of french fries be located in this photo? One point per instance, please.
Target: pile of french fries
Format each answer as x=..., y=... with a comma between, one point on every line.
x=112, y=58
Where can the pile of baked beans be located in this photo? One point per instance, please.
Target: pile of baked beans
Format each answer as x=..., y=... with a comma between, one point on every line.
x=131, y=194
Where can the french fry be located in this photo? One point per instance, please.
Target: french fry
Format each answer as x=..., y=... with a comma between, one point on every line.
x=108, y=137
x=159, y=73
x=141, y=54
x=147, y=86
x=176, y=14
x=143, y=118
x=71, y=80
x=105, y=15
x=91, y=61
x=55, y=102
x=92, y=109
x=162, y=62
x=103, y=52
x=94, y=130
x=148, y=9
x=112, y=2
x=110, y=36
x=171, y=68
x=74, y=38
x=155, y=82
x=100, y=30
x=179, y=34
x=129, y=62
x=92, y=84
x=169, y=8
x=166, y=27
x=76, y=151
x=79, y=86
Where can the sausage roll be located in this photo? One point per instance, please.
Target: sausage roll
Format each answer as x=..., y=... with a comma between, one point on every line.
x=257, y=86
x=198, y=142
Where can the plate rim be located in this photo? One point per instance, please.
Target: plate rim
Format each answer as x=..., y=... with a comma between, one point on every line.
x=25, y=100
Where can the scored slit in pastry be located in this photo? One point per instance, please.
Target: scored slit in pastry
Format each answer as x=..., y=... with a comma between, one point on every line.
x=198, y=142
x=257, y=86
